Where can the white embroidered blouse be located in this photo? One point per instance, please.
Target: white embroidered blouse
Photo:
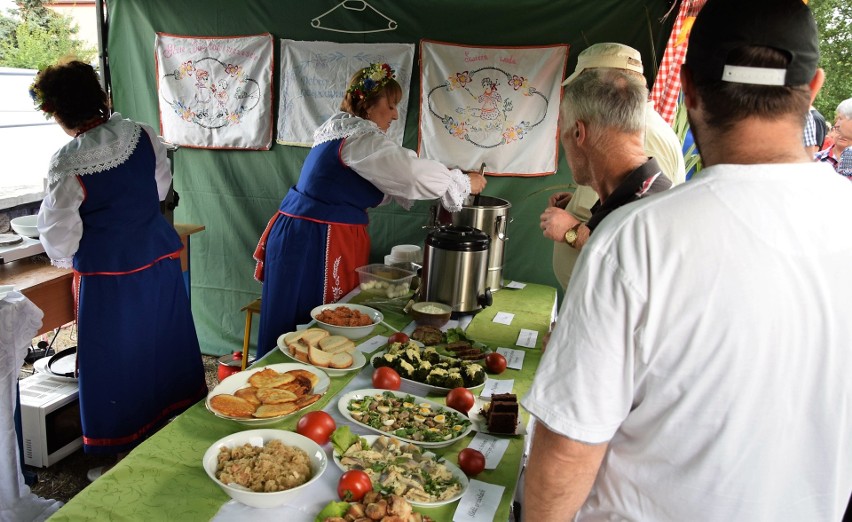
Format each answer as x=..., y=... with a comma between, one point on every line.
x=104, y=147
x=395, y=170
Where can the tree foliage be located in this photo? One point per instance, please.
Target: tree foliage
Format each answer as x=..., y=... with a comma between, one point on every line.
x=35, y=37
x=834, y=20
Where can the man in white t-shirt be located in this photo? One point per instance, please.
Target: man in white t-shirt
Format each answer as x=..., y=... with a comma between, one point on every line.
x=661, y=143
x=699, y=367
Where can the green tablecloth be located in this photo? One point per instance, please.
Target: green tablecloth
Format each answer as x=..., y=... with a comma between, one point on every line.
x=162, y=479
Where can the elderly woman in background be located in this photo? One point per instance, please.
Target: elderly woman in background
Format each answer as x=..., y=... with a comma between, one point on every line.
x=102, y=218
x=309, y=251
x=839, y=154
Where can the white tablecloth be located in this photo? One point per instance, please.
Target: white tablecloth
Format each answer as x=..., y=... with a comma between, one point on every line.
x=20, y=319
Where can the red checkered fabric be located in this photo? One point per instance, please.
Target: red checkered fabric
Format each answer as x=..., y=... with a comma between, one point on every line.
x=666, y=88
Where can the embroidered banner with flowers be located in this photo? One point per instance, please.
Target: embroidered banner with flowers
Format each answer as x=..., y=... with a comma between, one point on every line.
x=215, y=92
x=314, y=79
x=497, y=105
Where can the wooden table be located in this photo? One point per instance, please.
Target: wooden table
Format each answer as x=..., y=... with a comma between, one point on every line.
x=49, y=288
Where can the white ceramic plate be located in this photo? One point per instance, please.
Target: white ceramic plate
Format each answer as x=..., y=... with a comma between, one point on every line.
x=343, y=406
x=480, y=424
x=457, y=473
x=240, y=380
x=358, y=360
x=421, y=388
x=350, y=332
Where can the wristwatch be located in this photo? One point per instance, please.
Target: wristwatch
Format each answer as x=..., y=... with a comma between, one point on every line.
x=571, y=236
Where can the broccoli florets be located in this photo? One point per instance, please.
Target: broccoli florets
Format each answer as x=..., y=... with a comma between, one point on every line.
x=473, y=374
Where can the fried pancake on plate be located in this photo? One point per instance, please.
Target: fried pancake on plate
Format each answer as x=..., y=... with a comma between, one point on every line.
x=314, y=378
x=232, y=406
x=300, y=386
x=275, y=396
x=269, y=378
x=275, y=410
x=249, y=394
x=307, y=400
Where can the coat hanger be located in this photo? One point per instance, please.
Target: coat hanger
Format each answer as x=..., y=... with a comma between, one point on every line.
x=354, y=5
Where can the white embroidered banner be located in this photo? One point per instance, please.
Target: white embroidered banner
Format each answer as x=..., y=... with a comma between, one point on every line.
x=314, y=78
x=215, y=92
x=494, y=105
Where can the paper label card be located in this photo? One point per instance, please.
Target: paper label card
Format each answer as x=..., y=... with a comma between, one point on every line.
x=516, y=285
x=504, y=318
x=479, y=503
x=492, y=447
x=370, y=345
x=514, y=358
x=527, y=338
x=495, y=386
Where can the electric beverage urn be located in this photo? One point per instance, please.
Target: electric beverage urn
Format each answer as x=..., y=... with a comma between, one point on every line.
x=455, y=265
x=488, y=214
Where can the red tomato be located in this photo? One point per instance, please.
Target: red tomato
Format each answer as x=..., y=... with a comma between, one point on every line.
x=317, y=426
x=471, y=461
x=353, y=485
x=398, y=337
x=460, y=399
x=495, y=362
x=386, y=378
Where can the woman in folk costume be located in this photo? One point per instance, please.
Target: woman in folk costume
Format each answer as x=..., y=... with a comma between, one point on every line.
x=102, y=218
x=310, y=249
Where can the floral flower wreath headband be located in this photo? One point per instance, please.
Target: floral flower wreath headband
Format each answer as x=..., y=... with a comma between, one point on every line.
x=374, y=77
x=38, y=100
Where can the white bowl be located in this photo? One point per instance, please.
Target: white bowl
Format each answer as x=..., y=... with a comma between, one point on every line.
x=319, y=462
x=26, y=225
x=350, y=332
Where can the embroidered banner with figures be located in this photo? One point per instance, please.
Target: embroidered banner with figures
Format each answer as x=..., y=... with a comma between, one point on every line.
x=497, y=105
x=215, y=92
x=314, y=78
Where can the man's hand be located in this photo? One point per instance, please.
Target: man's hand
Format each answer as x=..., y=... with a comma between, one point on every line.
x=555, y=222
x=559, y=199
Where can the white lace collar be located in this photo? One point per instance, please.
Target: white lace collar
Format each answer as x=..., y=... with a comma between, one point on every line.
x=102, y=148
x=344, y=125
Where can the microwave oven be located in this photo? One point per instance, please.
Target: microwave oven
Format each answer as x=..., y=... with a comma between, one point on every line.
x=50, y=419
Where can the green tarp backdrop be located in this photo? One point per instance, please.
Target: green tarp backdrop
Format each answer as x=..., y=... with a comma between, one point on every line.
x=234, y=193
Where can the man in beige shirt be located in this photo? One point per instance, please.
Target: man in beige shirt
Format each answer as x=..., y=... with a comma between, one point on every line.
x=661, y=143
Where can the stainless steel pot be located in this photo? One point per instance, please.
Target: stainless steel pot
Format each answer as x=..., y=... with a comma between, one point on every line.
x=455, y=263
x=488, y=214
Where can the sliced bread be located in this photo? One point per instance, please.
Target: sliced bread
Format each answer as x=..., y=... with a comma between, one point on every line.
x=312, y=336
x=318, y=357
x=337, y=343
x=340, y=360
x=300, y=351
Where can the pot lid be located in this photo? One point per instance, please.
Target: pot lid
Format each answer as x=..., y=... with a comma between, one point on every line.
x=459, y=237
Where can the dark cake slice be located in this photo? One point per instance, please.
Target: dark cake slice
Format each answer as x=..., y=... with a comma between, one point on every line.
x=501, y=414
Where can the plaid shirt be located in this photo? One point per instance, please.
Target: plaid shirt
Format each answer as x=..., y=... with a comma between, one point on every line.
x=843, y=167
x=810, y=138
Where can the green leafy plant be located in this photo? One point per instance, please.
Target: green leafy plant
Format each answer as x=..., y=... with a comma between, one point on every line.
x=691, y=157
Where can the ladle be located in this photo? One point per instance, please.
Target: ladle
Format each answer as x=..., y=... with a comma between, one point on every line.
x=476, y=197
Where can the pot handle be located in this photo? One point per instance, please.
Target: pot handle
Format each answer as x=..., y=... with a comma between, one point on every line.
x=432, y=224
x=500, y=226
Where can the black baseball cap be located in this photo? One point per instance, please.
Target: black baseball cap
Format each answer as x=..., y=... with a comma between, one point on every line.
x=725, y=25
